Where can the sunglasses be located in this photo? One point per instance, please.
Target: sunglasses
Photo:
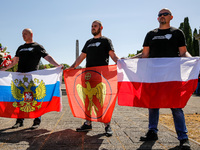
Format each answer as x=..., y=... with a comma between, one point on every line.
x=164, y=14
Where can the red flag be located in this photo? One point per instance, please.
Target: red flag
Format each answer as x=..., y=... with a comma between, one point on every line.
x=92, y=92
x=157, y=82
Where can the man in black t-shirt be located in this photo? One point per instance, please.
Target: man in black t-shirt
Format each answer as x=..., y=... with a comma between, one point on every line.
x=28, y=57
x=166, y=41
x=96, y=51
x=30, y=54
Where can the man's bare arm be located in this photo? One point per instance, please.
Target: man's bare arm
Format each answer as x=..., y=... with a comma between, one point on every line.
x=78, y=60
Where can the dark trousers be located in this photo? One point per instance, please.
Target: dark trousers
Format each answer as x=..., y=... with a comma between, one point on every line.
x=36, y=120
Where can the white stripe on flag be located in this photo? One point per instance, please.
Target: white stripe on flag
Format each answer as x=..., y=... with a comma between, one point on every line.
x=152, y=70
x=49, y=76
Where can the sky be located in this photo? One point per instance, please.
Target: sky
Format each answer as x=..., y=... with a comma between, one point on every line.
x=57, y=24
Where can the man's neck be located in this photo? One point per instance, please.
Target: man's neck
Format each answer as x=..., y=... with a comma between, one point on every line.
x=97, y=36
x=29, y=42
x=165, y=26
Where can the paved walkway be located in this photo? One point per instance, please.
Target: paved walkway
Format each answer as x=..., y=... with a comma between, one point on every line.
x=57, y=131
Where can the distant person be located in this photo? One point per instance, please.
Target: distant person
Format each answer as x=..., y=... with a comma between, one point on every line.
x=166, y=41
x=28, y=57
x=96, y=51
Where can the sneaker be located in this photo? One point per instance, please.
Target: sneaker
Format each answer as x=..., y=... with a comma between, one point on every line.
x=17, y=125
x=84, y=128
x=108, y=130
x=184, y=144
x=150, y=136
x=35, y=126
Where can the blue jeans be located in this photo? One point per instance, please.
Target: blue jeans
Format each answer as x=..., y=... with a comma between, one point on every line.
x=198, y=89
x=179, y=121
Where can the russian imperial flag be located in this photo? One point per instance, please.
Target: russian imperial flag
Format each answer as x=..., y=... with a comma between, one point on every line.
x=30, y=95
x=92, y=92
x=157, y=82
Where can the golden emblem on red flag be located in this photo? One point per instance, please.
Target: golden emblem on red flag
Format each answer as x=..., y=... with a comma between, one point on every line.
x=99, y=91
x=25, y=93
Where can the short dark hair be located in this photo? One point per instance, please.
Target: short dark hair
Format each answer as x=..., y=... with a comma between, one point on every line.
x=99, y=22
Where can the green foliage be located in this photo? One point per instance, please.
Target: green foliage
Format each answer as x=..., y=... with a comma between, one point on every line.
x=195, y=43
x=131, y=55
x=47, y=66
x=191, y=44
x=138, y=51
x=41, y=67
x=65, y=66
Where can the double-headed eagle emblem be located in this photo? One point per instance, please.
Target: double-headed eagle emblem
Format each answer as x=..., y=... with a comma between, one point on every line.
x=28, y=98
x=99, y=91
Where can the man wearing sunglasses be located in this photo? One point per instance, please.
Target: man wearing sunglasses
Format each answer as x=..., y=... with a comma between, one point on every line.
x=166, y=41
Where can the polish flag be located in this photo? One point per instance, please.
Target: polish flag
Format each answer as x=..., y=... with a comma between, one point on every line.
x=157, y=82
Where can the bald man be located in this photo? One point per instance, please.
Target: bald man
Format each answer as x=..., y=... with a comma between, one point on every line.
x=166, y=41
x=28, y=57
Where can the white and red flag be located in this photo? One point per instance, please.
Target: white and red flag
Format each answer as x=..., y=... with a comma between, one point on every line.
x=157, y=82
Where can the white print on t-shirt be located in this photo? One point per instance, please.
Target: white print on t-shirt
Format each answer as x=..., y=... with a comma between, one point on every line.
x=26, y=49
x=167, y=36
x=94, y=44
x=107, y=60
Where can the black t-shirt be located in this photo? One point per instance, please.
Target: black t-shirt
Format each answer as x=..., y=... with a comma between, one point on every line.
x=97, y=51
x=164, y=43
x=29, y=56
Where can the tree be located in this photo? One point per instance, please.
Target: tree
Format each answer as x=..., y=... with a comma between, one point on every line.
x=47, y=66
x=65, y=66
x=195, y=43
x=131, y=55
x=185, y=27
x=138, y=51
x=14, y=68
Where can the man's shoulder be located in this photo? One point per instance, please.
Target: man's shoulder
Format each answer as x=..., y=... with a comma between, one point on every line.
x=22, y=46
x=105, y=38
x=36, y=44
x=173, y=29
x=89, y=40
x=153, y=31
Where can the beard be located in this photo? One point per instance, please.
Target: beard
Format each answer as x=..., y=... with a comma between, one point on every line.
x=96, y=32
x=162, y=21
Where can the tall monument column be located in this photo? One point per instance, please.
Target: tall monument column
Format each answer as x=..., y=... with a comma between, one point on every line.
x=77, y=49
